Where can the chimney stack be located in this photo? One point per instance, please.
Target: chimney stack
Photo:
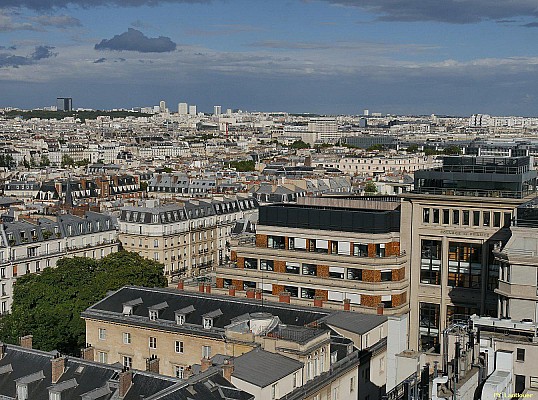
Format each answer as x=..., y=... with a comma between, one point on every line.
x=125, y=381
x=347, y=305
x=228, y=370
x=181, y=284
x=251, y=293
x=87, y=353
x=231, y=290
x=205, y=364
x=284, y=297
x=26, y=341
x=152, y=364
x=201, y=287
x=58, y=368
x=380, y=308
x=208, y=288
x=259, y=294
x=318, y=301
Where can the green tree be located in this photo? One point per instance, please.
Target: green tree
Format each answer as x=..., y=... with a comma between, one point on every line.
x=67, y=161
x=82, y=163
x=243, y=166
x=44, y=162
x=48, y=305
x=299, y=144
x=412, y=148
x=374, y=147
x=452, y=150
x=430, y=151
x=370, y=187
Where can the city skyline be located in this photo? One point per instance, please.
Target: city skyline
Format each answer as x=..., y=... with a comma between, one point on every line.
x=327, y=57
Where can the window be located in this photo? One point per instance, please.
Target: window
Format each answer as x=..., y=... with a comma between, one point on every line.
x=435, y=215
x=520, y=355
x=476, y=218
x=178, y=371
x=386, y=276
x=127, y=362
x=465, y=217
x=295, y=380
x=310, y=269
x=336, y=272
x=103, y=357
x=507, y=219
x=497, y=219
x=208, y=323
x=251, y=263
x=180, y=319
x=380, y=250
x=426, y=215
x=153, y=315
x=275, y=242
x=292, y=268
x=273, y=391
x=354, y=274
x=464, y=265
x=429, y=327
x=152, y=343
x=352, y=384
x=430, y=262
x=179, y=346
x=156, y=243
x=360, y=250
x=446, y=216
x=267, y=265
x=486, y=218
x=126, y=338
x=102, y=334
x=456, y=217
x=206, y=351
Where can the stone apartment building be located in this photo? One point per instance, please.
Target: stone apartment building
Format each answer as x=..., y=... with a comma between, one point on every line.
x=189, y=237
x=304, y=350
x=29, y=247
x=326, y=250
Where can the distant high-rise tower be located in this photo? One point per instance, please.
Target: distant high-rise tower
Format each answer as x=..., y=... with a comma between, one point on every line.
x=182, y=108
x=192, y=110
x=217, y=110
x=162, y=106
x=64, y=104
x=366, y=113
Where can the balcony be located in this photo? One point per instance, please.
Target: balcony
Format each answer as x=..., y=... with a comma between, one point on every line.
x=230, y=271
x=322, y=258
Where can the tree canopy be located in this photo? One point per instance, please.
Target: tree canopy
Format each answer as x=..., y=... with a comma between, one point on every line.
x=48, y=305
x=370, y=187
x=243, y=166
x=299, y=144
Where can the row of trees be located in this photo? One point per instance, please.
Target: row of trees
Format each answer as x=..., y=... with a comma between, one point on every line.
x=48, y=305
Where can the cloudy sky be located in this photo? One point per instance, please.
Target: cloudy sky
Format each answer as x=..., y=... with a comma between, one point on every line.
x=455, y=57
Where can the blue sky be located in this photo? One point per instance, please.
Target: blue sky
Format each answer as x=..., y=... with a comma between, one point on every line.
x=455, y=57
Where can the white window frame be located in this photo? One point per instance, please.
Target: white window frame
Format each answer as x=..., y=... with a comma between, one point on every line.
x=102, y=334
x=179, y=346
x=152, y=342
x=126, y=338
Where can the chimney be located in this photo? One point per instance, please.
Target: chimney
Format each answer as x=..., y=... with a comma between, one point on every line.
x=152, y=364
x=318, y=301
x=231, y=290
x=187, y=373
x=125, y=381
x=347, y=305
x=208, y=288
x=87, y=353
x=205, y=364
x=228, y=370
x=201, y=287
x=58, y=368
x=259, y=294
x=380, y=308
x=26, y=341
x=251, y=293
x=181, y=284
x=284, y=297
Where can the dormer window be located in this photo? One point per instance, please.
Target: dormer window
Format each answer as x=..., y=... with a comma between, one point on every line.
x=128, y=307
x=22, y=391
x=153, y=315
x=208, y=323
x=180, y=319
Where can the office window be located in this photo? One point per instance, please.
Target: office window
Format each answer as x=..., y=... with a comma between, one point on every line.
x=293, y=268
x=476, y=218
x=456, y=217
x=206, y=351
x=179, y=346
x=126, y=338
x=102, y=334
x=267, y=265
x=497, y=219
x=429, y=327
x=127, y=362
x=520, y=355
x=464, y=265
x=103, y=357
x=426, y=215
x=354, y=274
x=275, y=242
x=486, y=218
x=251, y=263
x=430, y=262
x=380, y=250
x=465, y=214
x=446, y=216
x=459, y=313
x=386, y=276
x=435, y=215
x=152, y=343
